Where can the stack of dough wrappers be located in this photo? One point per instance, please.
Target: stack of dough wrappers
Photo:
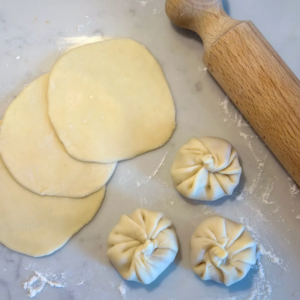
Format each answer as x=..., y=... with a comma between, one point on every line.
x=62, y=137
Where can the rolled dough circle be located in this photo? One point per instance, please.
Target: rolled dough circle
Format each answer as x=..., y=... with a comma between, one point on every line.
x=36, y=225
x=110, y=101
x=36, y=157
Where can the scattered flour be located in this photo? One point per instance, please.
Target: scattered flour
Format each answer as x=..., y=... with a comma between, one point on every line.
x=224, y=104
x=294, y=190
x=123, y=289
x=267, y=193
x=143, y=3
x=202, y=70
x=298, y=217
x=80, y=27
x=272, y=257
x=89, y=21
x=37, y=282
x=240, y=197
x=159, y=166
x=261, y=289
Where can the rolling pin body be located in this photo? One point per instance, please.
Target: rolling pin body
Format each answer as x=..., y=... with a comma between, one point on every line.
x=251, y=73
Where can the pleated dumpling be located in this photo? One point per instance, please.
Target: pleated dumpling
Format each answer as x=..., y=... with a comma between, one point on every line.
x=142, y=245
x=222, y=250
x=206, y=169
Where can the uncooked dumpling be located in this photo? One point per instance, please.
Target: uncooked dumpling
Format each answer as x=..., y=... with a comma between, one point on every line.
x=36, y=225
x=110, y=101
x=35, y=156
x=222, y=250
x=142, y=245
x=206, y=169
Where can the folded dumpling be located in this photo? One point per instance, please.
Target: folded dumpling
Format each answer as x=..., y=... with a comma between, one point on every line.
x=142, y=245
x=206, y=169
x=222, y=250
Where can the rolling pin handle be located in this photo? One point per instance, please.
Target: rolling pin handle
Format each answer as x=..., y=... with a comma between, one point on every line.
x=206, y=17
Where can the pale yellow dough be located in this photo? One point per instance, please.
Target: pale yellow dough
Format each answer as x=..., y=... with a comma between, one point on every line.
x=207, y=169
x=142, y=245
x=110, y=101
x=35, y=156
x=222, y=250
x=36, y=225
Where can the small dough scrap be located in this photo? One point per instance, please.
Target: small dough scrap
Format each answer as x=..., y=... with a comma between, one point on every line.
x=222, y=250
x=142, y=245
x=110, y=101
x=206, y=169
x=36, y=157
x=36, y=225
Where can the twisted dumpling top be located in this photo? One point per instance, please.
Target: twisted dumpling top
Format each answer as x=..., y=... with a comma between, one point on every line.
x=222, y=250
x=142, y=245
x=206, y=169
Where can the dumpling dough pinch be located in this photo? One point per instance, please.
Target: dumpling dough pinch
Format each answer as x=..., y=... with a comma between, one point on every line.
x=36, y=157
x=110, y=101
x=142, y=245
x=36, y=225
x=222, y=250
x=206, y=169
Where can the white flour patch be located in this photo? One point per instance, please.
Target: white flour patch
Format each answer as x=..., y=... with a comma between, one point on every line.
x=124, y=290
x=36, y=283
x=202, y=70
x=272, y=257
x=143, y=201
x=138, y=183
x=143, y=3
x=89, y=21
x=80, y=283
x=224, y=104
x=159, y=166
x=298, y=217
x=267, y=193
x=80, y=27
x=261, y=289
x=294, y=190
x=208, y=210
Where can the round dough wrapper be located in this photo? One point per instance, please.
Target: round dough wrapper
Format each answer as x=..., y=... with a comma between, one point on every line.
x=142, y=245
x=206, y=169
x=36, y=225
x=110, y=101
x=36, y=157
x=222, y=250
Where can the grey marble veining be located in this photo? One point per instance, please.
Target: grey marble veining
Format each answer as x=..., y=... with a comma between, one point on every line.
x=34, y=34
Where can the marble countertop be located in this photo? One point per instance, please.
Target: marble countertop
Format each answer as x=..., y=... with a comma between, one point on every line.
x=34, y=34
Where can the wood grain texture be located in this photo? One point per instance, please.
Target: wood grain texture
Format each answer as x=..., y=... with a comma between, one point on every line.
x=263, y=88
x=206, y=17
x=252, y=74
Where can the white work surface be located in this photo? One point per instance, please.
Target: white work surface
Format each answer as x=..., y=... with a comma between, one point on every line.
x=35, y=33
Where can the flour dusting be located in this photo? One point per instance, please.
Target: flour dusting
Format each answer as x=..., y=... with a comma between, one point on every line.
x=202, y=70
x=261, y=288
x=272, y=257
x=159, y=166
x=36, y=283
x=294, y=190
x=143, y=3
x=123, y=289
x=267, y=193
x=89, y=21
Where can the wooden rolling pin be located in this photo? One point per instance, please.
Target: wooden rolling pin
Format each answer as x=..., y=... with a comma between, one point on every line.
x=251, y=73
